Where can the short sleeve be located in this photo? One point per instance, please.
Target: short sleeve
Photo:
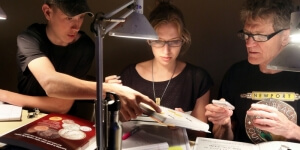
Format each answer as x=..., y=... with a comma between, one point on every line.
x=28, y=49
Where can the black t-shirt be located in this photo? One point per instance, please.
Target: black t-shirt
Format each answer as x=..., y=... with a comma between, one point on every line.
x=74, y=59
x=243, y=78
x=182, y=92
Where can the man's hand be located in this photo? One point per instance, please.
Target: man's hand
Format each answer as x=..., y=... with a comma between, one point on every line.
x=218, y=115
x=271, y=120
x=130, y=100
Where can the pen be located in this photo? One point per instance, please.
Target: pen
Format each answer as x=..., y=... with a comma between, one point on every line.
x=130, y=133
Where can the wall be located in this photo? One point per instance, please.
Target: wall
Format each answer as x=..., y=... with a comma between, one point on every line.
x=212, y=23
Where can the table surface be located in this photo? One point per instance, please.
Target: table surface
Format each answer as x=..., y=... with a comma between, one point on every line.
x=8, y=126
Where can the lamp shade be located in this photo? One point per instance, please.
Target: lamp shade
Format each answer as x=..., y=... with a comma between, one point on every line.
x=135, y=26
x=289, y=58
x=2, y=14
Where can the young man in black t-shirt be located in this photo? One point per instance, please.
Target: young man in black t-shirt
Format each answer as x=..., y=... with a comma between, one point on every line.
x=55, y=57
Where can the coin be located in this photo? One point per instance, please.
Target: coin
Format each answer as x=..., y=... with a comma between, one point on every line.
x=31, y=130
x=49, y=134
x=256, y=135
x=72, y=134
x=73, y=126
x=68, y=121
x=55, y=118
x=85, y=128
x=41, y=128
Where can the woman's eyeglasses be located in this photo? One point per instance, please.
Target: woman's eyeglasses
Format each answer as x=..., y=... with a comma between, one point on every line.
x=159, y=43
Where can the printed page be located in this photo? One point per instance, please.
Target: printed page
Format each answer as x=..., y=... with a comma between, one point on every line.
x=183, y=120
x=216, y=144
x=149, y=134
x=10, y=112
x=140, y=139
x=279, y=145
x=158, y=146
x=172, y=117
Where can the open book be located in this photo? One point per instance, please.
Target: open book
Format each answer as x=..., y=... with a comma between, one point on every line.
x=175, y=118
x=53, y=132
x=10, y=112
x=214, y=144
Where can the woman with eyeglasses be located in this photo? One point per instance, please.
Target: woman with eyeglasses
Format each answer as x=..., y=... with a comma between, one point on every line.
x=169, y=82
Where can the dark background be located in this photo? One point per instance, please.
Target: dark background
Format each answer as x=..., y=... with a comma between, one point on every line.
x=213, y=25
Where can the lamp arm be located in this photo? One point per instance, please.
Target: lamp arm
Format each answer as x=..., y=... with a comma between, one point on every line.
x=107, y=18
x=110, y=14
x=112, y=25
x=100, y=135
x=99, y=28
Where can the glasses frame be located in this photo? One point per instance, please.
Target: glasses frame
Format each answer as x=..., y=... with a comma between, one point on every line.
x=241, y=34
x=165, y=42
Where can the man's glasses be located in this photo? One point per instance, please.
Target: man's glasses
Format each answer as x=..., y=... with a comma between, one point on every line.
x=159, y=43
x=257, y=37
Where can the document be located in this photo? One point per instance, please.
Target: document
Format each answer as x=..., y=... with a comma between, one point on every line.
x=217, y=144
x=10, y=112
x=171, y=117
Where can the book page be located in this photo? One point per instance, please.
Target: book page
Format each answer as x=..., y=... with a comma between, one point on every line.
x=279, y=145
x=172, y=117
x=10, y=112
x=216, y=144
x=155, y=135
x=158, y=146
x=140, y=139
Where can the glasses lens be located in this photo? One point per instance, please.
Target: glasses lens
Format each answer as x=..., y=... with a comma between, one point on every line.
x=175, y=43
x=242, y=36
x=157, y=43
x=260, y=38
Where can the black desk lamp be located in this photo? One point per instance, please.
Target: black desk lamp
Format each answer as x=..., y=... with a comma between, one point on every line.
x=135, y=26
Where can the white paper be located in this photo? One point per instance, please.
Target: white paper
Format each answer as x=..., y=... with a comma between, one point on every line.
x=151, y=135
x=216, y=144
x=158, y=146
x=10, y=112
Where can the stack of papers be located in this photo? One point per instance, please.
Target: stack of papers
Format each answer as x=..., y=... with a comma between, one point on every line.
x=10, y=112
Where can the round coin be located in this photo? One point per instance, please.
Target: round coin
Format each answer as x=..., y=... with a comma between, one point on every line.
x=85, y=128
x=73, y=126
x=41, y=128
x=71, y=134
x=68, y=121
x=49, y=134
x=256, y=135
x=31, y=130
x=55, y=118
